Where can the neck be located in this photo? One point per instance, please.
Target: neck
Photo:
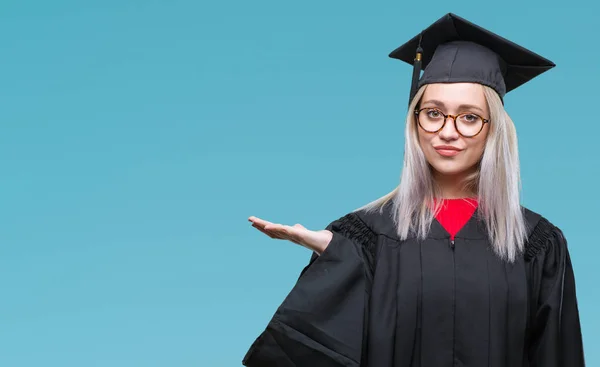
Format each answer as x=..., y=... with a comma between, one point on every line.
x=452, y=186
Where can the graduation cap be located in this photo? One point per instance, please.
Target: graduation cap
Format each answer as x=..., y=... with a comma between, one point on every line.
x=453, y=50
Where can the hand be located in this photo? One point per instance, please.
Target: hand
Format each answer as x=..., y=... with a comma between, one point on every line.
x=316, y=241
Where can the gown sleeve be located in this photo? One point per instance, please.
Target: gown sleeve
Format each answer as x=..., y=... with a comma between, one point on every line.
x=555, y=334
x=320, y=322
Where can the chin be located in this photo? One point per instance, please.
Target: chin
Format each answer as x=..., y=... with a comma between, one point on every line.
x=450, y=168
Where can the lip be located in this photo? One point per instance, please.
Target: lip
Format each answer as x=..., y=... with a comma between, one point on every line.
x=447, y=150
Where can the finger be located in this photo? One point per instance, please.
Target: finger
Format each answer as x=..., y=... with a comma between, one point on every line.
x=280, y=231
x=268, y=233
x=287, y=232
x=274, y=227
x=263, y=231
x=260, y=222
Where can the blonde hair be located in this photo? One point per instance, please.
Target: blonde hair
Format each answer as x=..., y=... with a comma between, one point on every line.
x=496, y=182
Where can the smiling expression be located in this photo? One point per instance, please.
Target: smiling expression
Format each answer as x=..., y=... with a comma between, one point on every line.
x=447, y=151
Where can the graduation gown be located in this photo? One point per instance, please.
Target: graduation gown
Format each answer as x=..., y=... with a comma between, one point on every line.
x=373, y=300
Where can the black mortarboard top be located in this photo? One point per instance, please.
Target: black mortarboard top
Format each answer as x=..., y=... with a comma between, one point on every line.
x=455, y=50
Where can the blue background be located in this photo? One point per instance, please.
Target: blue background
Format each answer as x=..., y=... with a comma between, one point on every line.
x=137, y=137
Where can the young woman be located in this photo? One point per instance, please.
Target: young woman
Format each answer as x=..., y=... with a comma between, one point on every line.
x=448, y=269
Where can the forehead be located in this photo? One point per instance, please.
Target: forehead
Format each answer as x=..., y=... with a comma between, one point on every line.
x=456, y=94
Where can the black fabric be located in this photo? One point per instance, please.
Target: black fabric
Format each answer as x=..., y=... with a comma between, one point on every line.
x=373, y=300
x=322, y=320
x=555, y=330
x=457, y=50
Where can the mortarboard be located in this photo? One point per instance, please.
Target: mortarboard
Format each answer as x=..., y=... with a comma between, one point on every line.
x=455, y=50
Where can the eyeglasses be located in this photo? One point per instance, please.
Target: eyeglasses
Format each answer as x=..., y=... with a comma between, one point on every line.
x=433, y=120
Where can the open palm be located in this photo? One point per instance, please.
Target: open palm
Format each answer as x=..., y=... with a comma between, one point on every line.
x=316, y=241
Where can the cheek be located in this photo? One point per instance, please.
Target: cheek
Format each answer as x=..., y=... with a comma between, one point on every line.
x=481, y=140
x=424, y=140
x=476, y=149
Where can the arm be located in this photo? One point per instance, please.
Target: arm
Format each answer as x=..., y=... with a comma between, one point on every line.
x=556, y=339
x=320, y=322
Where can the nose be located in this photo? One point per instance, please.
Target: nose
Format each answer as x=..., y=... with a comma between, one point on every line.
x=449, y=132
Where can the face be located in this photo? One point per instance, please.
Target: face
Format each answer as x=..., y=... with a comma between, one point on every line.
x=447, y=151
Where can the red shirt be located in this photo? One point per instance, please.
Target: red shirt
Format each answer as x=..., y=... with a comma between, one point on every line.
x=455, y=213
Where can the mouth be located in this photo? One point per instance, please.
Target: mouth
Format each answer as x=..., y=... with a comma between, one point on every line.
x=447, y=151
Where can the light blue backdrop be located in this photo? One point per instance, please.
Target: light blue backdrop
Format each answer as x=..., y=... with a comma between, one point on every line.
x=138, y=136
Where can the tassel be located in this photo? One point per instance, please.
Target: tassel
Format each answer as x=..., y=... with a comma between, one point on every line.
x=416, y=71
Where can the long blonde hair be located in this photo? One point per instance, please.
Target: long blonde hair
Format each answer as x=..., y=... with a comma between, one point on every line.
x=496, y=182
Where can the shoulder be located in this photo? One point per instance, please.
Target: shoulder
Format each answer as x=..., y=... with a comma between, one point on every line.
x=543, y=236
x=372, y=221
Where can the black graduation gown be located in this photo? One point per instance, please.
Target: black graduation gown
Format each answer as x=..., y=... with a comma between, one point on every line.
x=373, y=300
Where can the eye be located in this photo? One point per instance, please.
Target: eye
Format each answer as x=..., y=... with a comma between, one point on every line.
x=433, y=114
x=470, y=118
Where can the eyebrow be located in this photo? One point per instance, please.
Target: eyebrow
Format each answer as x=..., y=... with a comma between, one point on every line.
x=462, y=106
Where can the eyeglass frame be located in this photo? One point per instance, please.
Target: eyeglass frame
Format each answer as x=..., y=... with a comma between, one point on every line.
x=454, y=117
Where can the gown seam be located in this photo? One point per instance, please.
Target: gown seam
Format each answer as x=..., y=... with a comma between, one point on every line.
x=487, y=262
x=420, y=309
x=507, y=316
x=454, y=310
